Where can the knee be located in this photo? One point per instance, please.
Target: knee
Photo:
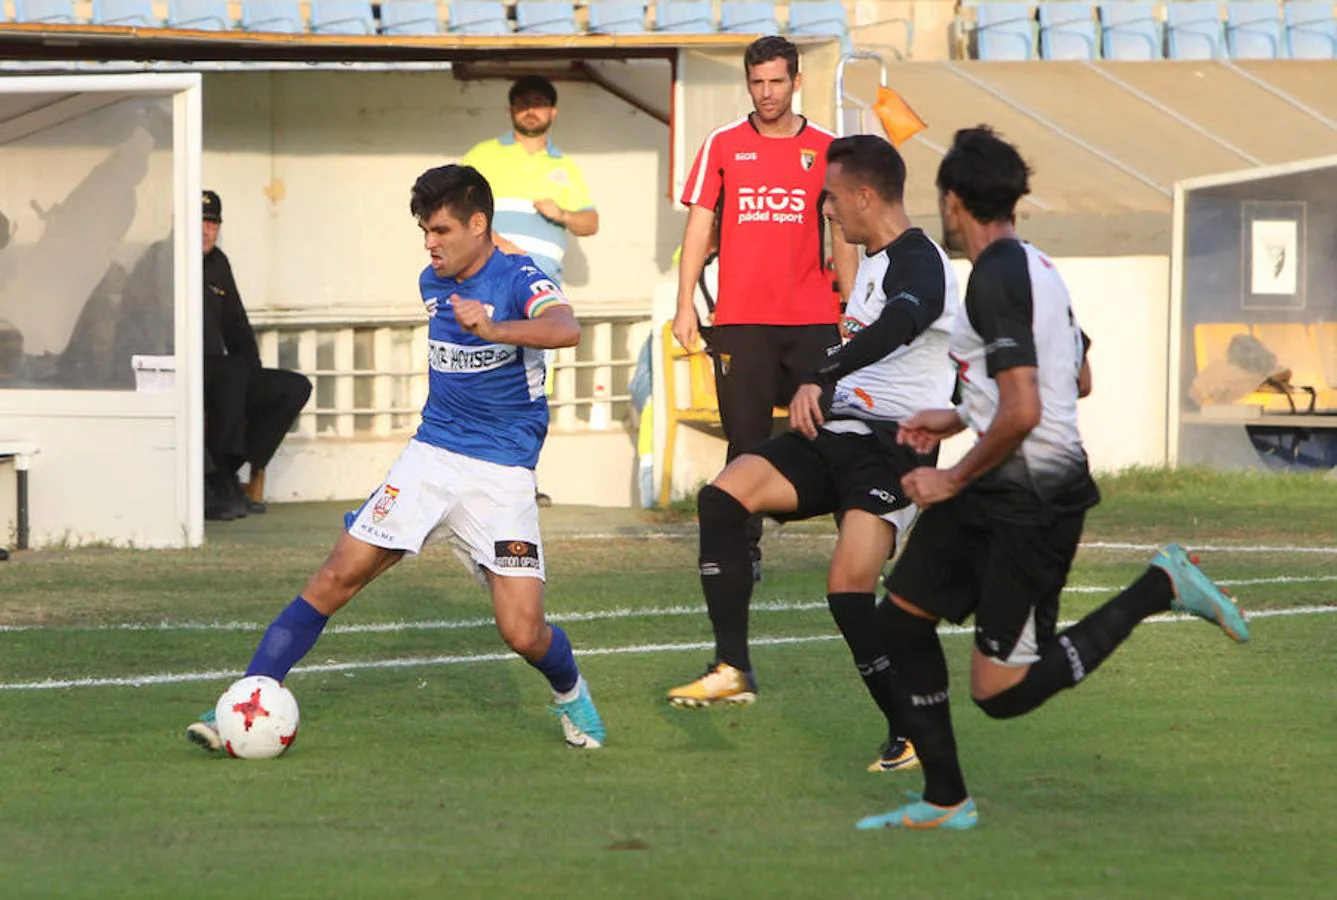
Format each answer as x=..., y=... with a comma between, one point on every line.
x=331, y=586
x=527, y=637
x=717, y=506
x=995, y=705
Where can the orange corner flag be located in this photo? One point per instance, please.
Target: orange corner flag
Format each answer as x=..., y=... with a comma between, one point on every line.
x=898, y=120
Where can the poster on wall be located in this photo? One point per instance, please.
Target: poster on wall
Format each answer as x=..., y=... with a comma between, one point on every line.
x=1273, y=255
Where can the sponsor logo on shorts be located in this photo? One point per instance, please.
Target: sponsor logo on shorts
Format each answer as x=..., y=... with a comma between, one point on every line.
x=384, y=503
x=516, y=555
x=886, y=497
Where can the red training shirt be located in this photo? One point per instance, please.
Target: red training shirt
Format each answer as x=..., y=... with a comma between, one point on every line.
x=770, y=229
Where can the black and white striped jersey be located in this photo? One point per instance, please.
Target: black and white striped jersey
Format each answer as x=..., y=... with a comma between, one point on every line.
x=1018, y=313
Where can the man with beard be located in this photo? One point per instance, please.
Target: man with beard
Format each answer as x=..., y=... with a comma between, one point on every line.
x=776, y=316
x=539, y=192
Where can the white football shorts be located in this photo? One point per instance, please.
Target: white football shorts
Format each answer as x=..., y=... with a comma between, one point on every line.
x=485, y=510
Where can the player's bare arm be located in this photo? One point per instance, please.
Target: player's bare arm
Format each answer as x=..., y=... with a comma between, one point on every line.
x=805, y=410
x=695, y=247
x=1018, y=414
x=580, y=222
x=926, y=429
x=555, y=327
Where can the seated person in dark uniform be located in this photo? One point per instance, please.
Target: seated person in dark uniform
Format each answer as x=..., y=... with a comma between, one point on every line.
x=247, y=408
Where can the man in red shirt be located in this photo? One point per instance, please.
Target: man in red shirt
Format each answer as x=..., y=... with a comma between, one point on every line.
x=775, y=315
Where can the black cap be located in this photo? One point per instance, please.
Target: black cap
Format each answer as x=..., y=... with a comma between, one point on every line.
x=533, y=84
x=213, y=207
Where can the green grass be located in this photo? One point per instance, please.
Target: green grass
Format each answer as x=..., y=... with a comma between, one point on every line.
x=1187, y=767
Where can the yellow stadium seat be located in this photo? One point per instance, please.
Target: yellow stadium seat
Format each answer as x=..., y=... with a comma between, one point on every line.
x=701, y=406
x=1325, y=337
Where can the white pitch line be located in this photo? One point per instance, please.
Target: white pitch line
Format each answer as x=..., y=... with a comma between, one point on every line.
x=1209, y=548
x=625, y=612
x=634, y=649
x=691, y=531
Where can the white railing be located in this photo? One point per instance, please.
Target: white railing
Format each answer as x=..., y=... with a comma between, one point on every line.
x=369, y=377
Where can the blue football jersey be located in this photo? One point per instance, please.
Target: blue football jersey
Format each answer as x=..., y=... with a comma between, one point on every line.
x=486, y=400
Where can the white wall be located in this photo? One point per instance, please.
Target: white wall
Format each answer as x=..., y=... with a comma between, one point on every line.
x=1121, y=302
x=314, y=169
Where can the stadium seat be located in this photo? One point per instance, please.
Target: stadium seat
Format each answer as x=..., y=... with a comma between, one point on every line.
x=1067, y=31
x=1005, y=31
x=1253, y=30
x=820, y=18
x=1311, y=29
x=1210, y=340
x=199, y=15
x=616, y=16
x=545, y=17
x=1193, y=29
x=56, y=12
x=478, y=17
x=132, y=13
x=685, y=16
x=284, y=16
x=409, y=17
x=748, y=17
x=342, y=17
x=1130, y=31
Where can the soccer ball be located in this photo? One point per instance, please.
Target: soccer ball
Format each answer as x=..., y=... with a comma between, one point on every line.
x=256, y=718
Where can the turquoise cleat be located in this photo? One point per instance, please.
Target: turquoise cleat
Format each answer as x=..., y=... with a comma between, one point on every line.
x=922, y=816
x=204, y=731
x=581, y=725
x=1196, y=594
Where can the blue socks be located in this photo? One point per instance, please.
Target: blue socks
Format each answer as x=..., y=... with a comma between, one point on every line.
x=558, y=665
x=289, y=637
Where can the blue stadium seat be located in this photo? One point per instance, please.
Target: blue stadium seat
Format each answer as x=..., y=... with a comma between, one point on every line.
x=1005, y=31
x=478, y=17
x=342, y=17
x=409, y=17
x=820, y=18
x=1253, y=30
x=1067, y=30
x=685, y=16
x=56, y=12
x=748, y=17
x=1129, y=31
x=284, y=16
x=133, y=13
x=1311, y=29
x=616, y=16
x=1193, y=29
x=199, y=15
x=545, y=17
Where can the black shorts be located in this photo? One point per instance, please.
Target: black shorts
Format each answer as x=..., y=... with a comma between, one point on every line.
x=960, y=561
x=836, y=472
x=757, y=368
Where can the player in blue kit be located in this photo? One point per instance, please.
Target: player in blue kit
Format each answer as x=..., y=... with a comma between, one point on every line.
x=468, y=474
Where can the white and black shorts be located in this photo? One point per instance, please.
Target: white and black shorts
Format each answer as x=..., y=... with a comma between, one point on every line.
x=960, y=561
x=486, y=511
x=836, y=471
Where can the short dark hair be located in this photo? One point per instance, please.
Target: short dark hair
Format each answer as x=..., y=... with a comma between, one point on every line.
x=532, y=84
x=462, y=189
x=765, y=49
x=870, y=160
x=986, y=172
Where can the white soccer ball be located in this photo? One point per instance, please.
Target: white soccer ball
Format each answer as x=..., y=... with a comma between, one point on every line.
x=257, y=718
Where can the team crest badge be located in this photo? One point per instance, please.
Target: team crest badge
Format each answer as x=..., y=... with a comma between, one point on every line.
x=807, y=159
x=384, y=503
x=724, y=363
